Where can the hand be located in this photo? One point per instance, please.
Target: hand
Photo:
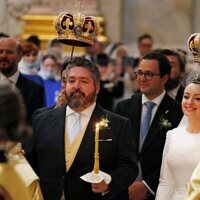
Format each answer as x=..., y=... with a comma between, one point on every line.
x=138, y=191
x=100, y=187
x=61, y=99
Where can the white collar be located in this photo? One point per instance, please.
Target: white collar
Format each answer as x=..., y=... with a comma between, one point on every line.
x=87, y=112
x=172, y=93
x=157, y=100
x=12, y=78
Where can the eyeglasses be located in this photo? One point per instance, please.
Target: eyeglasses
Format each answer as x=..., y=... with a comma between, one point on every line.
x=147, y=75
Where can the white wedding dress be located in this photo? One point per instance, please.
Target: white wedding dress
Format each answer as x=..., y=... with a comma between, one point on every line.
x=180, y=157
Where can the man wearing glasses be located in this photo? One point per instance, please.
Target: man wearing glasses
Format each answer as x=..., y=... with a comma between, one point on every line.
x=152, y=113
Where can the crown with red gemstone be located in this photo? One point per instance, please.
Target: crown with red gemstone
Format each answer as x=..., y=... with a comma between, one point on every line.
x=194, y=46
x=76, y=29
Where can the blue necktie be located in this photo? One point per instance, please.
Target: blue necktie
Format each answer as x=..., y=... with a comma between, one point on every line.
x=146, y=121
x=75, y=126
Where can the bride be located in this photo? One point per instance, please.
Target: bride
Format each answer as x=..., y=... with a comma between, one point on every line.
x=182, y=148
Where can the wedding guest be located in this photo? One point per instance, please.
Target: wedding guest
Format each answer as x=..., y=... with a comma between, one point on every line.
x=181, y=153
x=68, y=152
x=61, y=96
x=145, y=45
x=92, y=51
x=174, y=87
x=35, y=40
x=110, y=87
x=10, y=55
x=152, y=113
x=28, y=65
x=48, y=72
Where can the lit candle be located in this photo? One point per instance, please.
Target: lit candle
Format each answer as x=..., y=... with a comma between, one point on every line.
x=96, y=153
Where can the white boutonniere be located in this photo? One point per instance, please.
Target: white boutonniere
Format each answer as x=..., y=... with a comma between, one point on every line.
x=104, y=123
x=164, y=122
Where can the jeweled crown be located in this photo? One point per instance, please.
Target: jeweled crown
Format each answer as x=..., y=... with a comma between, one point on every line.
x=194, y=46
x=76, y=29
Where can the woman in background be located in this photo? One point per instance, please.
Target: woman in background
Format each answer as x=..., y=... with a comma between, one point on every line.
x=29, y=63
x=182, y=148
x=52, y=84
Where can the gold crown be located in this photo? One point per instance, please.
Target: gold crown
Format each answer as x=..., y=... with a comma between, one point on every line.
x=76, y=29
x=194, y=46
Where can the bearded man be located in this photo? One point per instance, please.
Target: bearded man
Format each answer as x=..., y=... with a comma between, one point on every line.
x=62, y=147
x=173, y=86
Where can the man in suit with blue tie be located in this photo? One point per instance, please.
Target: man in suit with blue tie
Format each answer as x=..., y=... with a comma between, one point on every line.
x=60, y=154
x=152, y=113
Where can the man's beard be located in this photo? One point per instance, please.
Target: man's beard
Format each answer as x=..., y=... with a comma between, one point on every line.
x=6, y=70
x=172, y=84
x=77, y=99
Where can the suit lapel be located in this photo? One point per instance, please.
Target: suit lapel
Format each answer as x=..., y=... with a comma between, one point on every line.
x=155, y=126
x=136, y=117
x=87, y=144
x=57, y=126
x=21, y=83
x=179, y=94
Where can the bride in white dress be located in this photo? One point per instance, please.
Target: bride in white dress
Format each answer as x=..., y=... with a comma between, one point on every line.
x=182, y=148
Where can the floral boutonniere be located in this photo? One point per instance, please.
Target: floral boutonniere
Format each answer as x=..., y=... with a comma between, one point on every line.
x=104, y=123
x=164, y=122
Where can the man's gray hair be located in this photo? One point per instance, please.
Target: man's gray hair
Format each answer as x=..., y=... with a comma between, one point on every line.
x=85, y=63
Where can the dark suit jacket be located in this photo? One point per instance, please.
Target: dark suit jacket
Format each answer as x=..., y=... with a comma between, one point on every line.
x=106, y=96
x=179, y=94
x=43, y=109
x=150, y=155
x=47, y=156
x=33, y=95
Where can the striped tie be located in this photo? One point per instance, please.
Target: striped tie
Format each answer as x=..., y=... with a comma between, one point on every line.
x=75, y=126
x=146, y=121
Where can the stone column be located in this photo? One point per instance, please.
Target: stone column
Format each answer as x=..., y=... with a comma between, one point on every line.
x=3, y=17
x=111, y=10
x=195, y=16
x=169, y=21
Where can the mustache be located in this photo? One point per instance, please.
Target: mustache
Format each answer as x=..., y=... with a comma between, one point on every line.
x=4, y=60
x=77, y=92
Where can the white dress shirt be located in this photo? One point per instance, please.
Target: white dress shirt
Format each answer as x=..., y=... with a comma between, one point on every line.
x=84, y=116
x=157, y=101
x=71, y=148
x=172, y=93
x=12, y=78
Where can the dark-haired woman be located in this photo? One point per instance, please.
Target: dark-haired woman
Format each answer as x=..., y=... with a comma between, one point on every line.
x=182, y=148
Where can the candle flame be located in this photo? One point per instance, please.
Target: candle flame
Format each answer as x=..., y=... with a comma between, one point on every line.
x=97, y=125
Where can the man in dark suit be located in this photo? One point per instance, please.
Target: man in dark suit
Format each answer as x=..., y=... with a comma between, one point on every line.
x=60, y=160
x=33, y=95
x=152, y=75
x=109, y=88
x=10, y=55
x=174, y=87
x=145, y=45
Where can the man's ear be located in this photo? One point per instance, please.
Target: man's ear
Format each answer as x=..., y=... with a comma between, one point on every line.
x=165, y=78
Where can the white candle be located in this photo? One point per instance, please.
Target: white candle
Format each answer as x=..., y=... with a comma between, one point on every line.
x=96, y=153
